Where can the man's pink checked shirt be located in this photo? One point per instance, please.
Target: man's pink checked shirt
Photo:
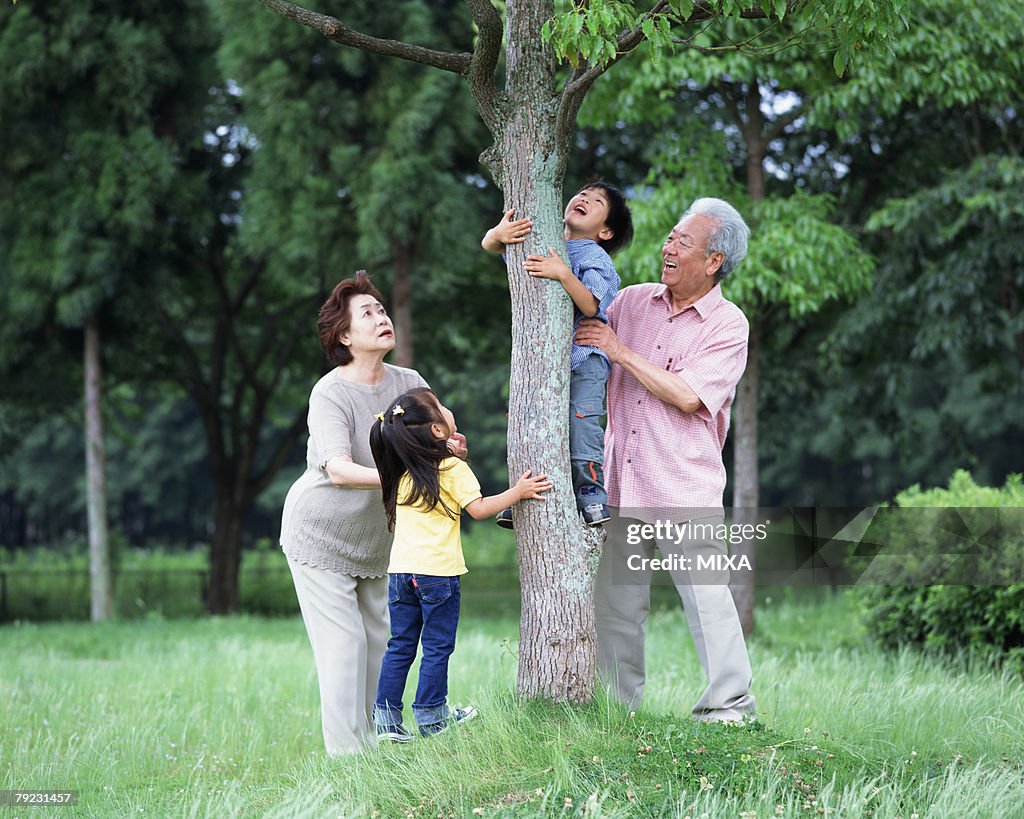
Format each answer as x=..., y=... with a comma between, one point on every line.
x=656, y=455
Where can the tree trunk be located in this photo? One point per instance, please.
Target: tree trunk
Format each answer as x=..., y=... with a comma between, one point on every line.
x=745, y=474
x=745, y=468
x=401, y=303
x=557, y=556
x=225, y=551
x=100, y=586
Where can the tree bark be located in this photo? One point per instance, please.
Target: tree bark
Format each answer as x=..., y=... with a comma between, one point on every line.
x=225, y=551
x=745, y=473
x=100, y=586
x=557, y=556
x=401, y=303
x=746, y=494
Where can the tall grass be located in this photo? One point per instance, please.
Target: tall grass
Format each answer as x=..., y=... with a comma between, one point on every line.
x=220, y=718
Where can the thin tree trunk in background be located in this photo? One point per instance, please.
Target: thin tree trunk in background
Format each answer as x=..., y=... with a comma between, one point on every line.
x=401, y=304
x=746, y=479
x=100, y=586
x=745, y=475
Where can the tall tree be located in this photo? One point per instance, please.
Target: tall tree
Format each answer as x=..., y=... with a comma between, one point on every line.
x=930, y=136
x=739, y=114
x=550, y=64
x=88, y=156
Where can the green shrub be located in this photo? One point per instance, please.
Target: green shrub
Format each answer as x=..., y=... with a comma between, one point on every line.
x=948, y=578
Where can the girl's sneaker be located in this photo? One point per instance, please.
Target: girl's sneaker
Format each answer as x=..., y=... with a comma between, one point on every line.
x=459, y=715
x=393, y=733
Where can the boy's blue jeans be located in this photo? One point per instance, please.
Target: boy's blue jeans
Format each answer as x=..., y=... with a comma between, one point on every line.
x=424, y=610
x=587, y=385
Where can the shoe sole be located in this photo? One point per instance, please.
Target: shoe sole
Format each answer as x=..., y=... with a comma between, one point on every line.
x=452, y=723
x=391, y=737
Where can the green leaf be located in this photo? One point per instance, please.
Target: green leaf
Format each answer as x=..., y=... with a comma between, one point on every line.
x=683, y=7
x=840, y=59
x=780, y=9
x=647, y=27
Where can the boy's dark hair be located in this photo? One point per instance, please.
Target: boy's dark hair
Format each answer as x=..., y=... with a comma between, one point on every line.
x=620, y=219
x=336, y=316
x=402, y=443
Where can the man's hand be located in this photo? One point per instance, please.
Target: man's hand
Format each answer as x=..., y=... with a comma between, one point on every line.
x=457, y=445
x=507, y=232
x=548, y=267
x=594, y=333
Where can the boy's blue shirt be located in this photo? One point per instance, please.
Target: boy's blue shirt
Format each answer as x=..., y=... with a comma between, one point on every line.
x=591, y=264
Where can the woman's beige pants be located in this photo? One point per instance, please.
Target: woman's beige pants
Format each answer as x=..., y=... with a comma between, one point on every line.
x=347, y=621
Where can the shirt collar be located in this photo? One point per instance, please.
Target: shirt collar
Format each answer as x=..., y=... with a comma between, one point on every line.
x=704, y=306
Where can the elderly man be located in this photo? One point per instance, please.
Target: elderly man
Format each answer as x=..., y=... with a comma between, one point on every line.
x=678, y=350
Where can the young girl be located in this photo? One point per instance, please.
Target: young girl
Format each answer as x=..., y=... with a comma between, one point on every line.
x=425, y=487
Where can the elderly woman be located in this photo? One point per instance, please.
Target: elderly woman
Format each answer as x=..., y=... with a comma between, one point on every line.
x=333, y=529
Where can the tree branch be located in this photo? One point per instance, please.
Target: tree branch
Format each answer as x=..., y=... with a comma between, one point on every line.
x=333, y=29
x=779, y=125
x=484, y=60
x=284, y=449
x=584, y=76
x=703, y=10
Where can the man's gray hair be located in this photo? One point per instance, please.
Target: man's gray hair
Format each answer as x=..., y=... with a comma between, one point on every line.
x=729, y=235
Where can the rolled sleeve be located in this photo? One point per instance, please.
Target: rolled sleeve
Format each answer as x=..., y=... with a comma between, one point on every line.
x=715, y=369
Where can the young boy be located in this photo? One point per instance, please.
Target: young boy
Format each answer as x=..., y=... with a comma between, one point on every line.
x=597, y=223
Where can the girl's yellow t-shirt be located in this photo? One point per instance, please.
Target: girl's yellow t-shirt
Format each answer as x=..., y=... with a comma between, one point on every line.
x=430, y=542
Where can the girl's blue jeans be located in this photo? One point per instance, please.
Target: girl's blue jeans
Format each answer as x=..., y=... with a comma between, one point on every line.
x=424, y=611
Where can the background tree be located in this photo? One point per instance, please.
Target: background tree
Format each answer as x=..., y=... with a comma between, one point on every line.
x=532, y=122
x=727, y=123
x=927, y=146
x=89, y=155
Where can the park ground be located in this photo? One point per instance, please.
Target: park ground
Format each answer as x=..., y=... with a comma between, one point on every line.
x=219, y=718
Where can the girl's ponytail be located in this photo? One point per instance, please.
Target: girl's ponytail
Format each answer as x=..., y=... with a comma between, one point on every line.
x=401, y=441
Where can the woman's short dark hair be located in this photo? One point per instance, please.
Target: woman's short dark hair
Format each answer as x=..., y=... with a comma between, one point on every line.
x=620, y=219
x=336, y=317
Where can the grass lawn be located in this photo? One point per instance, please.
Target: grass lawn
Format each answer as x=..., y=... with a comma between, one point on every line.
x=220, y=718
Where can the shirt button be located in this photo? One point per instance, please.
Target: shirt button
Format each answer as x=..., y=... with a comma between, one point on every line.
x=670, y=321
x=629, y=460
x=638, y=402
